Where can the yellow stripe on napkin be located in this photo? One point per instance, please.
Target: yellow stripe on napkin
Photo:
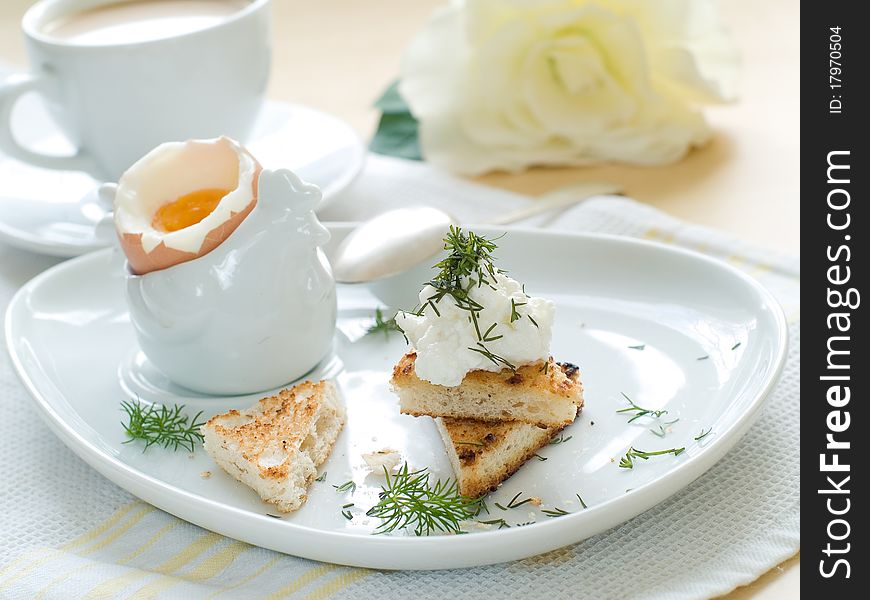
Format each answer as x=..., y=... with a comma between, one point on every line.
x=301, y=582
x=176, y=563
x=339, y=583
x=100, y=529
x=269, y=564
x=109, y=588
x=82, y=540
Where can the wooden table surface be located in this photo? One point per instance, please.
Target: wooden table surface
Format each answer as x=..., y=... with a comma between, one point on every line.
x=338, y=56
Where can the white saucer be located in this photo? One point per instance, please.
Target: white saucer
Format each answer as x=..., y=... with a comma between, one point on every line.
x=46, y=211
x=671, y=329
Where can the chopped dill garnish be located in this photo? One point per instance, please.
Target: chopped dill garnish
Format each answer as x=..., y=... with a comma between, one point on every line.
x=273, y=516
x=705, y=357
x=495, y=358
x=736, y=346
x=554, y=512
x=488, y=338
x=662, y=432
x=626, y=462
x=468, y=264
x=540, y=458
x=560, y=440
x=382, y=325
x=500, y=522
x=640, y=412
x=638, y=347
x=161, y=426
x=535, y=323
x=468, y=255
x=347, y=486
x=516, y=316
x=703, y=434
x=322, y=477
x=345, y=512
x=513, y=503
x=481, y=507
x=524, y=524
x=407, y=500
x=583, y=504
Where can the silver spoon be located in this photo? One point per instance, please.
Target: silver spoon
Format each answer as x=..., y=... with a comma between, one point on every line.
x=399, y=240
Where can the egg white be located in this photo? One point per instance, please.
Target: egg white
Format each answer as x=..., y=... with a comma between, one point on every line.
x=177, y=168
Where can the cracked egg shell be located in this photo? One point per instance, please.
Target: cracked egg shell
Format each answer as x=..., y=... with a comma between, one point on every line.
x=162, y=182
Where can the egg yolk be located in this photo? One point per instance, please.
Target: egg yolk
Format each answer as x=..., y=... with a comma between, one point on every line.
x=187, y=210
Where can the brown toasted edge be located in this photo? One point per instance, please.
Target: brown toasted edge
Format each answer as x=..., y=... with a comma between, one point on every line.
x=480, y=490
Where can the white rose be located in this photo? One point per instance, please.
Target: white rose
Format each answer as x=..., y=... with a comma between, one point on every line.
x=507, y=84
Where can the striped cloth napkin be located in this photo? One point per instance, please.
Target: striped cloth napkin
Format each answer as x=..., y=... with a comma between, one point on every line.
x=67, y=533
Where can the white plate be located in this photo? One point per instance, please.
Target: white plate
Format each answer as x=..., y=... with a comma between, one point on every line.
x=47, y=211
x=73, y=347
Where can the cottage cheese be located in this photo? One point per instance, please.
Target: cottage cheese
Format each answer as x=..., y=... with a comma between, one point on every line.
x=443, y=342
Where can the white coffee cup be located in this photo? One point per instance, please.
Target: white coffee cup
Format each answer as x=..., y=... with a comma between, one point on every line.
x=117, y=101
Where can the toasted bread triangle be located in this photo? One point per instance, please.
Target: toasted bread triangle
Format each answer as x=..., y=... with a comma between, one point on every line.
x=483, y=454
x=546, y=394
x=275, y=446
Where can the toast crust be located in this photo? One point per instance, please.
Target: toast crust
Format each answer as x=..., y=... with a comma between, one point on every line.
x=506, y=447
x=484, y=454
x=549, y=386
x=276, y=445
x=533, y=377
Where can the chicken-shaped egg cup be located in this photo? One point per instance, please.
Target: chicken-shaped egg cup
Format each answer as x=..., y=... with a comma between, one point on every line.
x=228, y=289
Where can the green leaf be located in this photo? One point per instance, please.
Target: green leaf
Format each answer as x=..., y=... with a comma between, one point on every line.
x=397, y=133
x=391, y=102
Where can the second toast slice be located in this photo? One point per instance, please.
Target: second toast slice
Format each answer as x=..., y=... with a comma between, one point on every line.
x=484, y=454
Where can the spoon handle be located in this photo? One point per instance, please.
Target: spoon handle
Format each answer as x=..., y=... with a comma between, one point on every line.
x=560, y=198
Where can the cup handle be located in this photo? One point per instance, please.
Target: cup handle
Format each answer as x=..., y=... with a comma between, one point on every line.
x=11, y=89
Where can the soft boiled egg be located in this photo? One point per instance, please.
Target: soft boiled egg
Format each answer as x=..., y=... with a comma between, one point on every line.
x=182, y=200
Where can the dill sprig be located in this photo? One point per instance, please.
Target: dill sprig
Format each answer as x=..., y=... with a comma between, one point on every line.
x=627, y=461
x=382, y=325
x=541, y=458
x=407, y=500
x=345, y=512
x=640, y=411
x=703, y=434
x=468, y=255
x=322, y=477
x=583, y=504
x=161, y=426
x=638, y=347
x=560, y=440
x=515, y=502
x=468, y=264
x=347, y=486
x=554, y=512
